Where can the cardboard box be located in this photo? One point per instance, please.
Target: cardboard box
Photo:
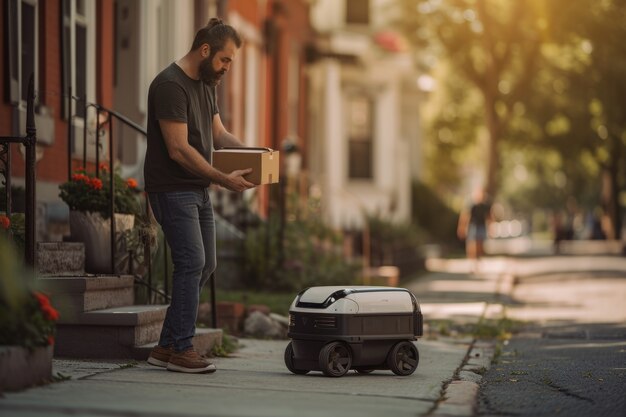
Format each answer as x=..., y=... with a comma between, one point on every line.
x=263, y=161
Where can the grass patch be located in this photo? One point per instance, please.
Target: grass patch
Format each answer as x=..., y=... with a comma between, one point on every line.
x=481, y=371
x=501, y=329
x=131, y=364
x=277, y=302
x=229, y=345
x=519, y=373
x=59, y=377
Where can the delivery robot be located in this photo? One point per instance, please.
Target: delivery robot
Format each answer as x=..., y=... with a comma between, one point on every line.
x=335, y=329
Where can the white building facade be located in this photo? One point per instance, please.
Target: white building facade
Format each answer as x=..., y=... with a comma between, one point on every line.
x=364, y=114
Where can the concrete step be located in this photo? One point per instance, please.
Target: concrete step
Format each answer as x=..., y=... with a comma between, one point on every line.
x=122, y=332
x=203, y=342
x=109, y=333
x=73, y=295
x=61, y=258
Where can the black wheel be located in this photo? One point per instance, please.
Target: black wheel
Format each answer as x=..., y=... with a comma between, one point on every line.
x=289, y=361
x=335, y=359
x=365, y=371
x=403, y=358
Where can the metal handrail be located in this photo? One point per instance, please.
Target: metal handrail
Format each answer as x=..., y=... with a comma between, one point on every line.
x=112, y=114
x=147, y=255
x=29, y=141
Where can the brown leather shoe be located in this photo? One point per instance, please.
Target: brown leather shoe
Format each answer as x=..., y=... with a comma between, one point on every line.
x=190, y=361
x=160, y=356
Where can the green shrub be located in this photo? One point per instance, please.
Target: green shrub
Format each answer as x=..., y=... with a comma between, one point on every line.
x=433, y=215
x=311, y=255
x=26, y=316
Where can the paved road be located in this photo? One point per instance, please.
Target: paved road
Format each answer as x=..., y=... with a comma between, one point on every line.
x=572, y=362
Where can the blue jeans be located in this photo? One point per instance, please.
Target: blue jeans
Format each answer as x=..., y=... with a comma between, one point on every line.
x=187, y=220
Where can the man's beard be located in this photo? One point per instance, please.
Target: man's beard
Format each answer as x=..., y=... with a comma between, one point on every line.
x=207, y=74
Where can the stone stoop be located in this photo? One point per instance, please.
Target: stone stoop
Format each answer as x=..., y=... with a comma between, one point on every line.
x=61, y=258
x=97, y=317
x=121, y=332
x=75, y=295
x=109, y=333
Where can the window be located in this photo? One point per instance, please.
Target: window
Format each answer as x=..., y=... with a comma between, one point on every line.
x=22, y=48
x=358, y=12
x=78, y=44
x=360, y=137
x=78, y=49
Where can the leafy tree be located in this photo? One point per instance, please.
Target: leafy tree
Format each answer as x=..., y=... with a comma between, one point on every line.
x=549, y=75
x=593, y=104
x=494, y=45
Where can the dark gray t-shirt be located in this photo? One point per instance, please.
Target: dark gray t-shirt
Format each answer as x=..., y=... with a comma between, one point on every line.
x=175, y=96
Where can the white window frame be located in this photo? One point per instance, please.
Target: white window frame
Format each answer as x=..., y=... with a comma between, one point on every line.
x=88, y=20
x=21, y=103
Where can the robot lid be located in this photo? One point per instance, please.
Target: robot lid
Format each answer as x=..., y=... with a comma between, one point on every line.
x=357, y=299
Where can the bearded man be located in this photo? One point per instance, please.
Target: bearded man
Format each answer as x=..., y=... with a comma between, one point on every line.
x=184, y=127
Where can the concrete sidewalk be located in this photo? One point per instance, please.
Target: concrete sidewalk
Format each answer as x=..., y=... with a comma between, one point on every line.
x=255, y=381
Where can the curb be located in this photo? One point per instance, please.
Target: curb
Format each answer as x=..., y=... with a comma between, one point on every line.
x=459, y=397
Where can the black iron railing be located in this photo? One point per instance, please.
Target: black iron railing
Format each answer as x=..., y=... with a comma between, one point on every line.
x=108, y=125
x=111, y=115
x=29, y=141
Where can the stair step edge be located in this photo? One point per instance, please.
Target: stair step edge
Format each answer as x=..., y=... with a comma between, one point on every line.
x=84, y=283
x=119, y=316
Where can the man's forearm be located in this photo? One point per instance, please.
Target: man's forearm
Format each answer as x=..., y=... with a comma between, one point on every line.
x=191, y=160
x=226, y=139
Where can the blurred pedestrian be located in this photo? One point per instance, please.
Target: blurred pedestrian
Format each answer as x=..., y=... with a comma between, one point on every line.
x=473, y=226
x=184, y=126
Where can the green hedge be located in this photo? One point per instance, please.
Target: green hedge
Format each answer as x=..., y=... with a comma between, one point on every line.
x=433, y=215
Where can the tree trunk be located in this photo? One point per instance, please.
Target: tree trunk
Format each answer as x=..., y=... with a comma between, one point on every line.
x=493, y=159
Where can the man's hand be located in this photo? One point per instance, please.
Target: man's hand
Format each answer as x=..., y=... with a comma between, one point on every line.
x=236, y=182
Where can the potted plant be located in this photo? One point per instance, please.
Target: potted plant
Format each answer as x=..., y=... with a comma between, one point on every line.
x=27, y=324
x=87, y=196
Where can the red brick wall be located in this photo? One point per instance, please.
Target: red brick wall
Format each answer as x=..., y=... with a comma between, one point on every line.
x=53, y=165
x=294, y=26
x=291, y=19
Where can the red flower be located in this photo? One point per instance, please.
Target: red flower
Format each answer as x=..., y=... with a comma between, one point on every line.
x=96, y=183
x=104, y=167
x=42, y=298
x=5, y=222
x=131, y=182
x=50, y=313
x=51, y=340
x=80, y=177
